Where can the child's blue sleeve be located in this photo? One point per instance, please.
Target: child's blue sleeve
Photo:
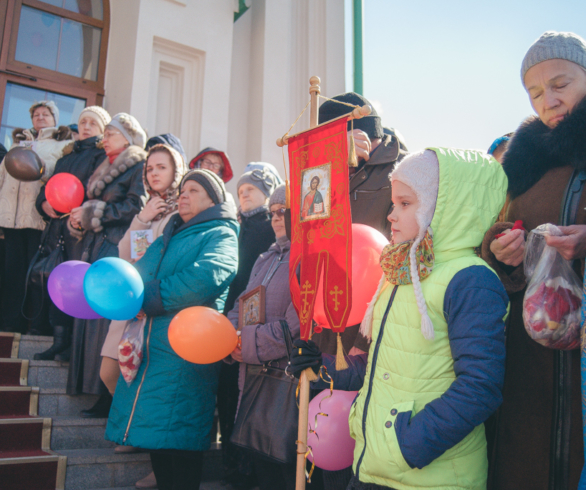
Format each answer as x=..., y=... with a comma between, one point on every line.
x=350, y=379
x=475, y=305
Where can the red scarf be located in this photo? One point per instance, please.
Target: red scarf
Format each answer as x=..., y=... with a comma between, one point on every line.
x=113, y=155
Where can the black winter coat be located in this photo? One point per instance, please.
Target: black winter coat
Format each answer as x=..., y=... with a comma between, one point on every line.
x=80, y=159
x=256, y=236
x=116, y=195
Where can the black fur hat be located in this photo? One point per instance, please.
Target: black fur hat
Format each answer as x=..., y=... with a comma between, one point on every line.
x=371, y=124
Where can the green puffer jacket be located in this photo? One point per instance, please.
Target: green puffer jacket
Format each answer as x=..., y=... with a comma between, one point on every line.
x=405, y=371
x=170, y=404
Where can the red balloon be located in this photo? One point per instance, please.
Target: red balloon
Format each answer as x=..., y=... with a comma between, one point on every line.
x=367, y=245
x=64, y=192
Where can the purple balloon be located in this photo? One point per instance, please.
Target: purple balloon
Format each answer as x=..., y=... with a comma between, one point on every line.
x=66, y=289
x=332, y=447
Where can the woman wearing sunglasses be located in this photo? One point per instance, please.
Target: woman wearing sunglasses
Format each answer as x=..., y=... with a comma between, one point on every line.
x=263, y=343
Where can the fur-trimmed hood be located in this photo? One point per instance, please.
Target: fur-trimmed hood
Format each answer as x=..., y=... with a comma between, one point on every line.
x=106, y=172
x=535, y=149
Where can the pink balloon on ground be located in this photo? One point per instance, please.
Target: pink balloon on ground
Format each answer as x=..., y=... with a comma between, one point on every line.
x=332, y=447
x=65, y=287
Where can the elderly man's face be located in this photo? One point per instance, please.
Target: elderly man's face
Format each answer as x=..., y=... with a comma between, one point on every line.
x=193, y=200
x=555, y=87
x=314, y=184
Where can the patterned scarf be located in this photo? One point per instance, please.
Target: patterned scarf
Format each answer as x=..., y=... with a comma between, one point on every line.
x=395, y=262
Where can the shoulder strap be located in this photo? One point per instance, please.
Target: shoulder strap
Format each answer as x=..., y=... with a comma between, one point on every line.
x=287, y=338
x=571, y=199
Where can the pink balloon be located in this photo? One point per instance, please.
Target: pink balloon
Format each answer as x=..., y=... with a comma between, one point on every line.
x=367, y=245
x=65, y=287
x=332, y=447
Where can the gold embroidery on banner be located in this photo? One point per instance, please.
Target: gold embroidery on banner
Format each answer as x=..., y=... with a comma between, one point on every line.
x=340, y=189
x=297, y=232
x=315, y=151
x=334, y=225
x=310, y=236
x=306, y=290
x=301, y=159
x=333, y=153
x=335, y=292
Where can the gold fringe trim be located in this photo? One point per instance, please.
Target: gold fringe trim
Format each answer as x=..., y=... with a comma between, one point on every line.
x=341, y=363
x=352, y=160
x=287, y=195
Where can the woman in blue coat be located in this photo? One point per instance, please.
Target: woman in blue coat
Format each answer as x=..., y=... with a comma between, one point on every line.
x=169, y=407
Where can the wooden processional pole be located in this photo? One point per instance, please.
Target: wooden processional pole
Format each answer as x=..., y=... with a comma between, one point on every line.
x=314, y=91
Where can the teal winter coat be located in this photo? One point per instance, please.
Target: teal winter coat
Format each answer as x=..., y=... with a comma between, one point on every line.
x=170, y=404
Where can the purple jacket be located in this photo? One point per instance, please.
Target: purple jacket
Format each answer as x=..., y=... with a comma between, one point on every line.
x=264, y=342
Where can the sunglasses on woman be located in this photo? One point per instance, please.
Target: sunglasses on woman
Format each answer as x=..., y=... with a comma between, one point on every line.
x=279, y=212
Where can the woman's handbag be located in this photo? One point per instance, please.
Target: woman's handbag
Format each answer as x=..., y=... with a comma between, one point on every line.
x=42, y=264
x=268, y=414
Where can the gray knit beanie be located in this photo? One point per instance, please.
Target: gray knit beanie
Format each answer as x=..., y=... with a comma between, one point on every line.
x=130, y=128
x=279, y=196
x=555, y=45
x=262, y=179
x=212, y=184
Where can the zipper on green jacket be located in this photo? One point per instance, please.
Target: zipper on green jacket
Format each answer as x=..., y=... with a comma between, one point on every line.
x=371, y=378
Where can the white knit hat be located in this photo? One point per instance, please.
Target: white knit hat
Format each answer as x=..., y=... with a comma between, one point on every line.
x=98, y=113
x=130, y=128
x=49, y=104
x=420, y=171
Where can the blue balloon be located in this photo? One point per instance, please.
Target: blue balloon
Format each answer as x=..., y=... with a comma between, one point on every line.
x=113, y=288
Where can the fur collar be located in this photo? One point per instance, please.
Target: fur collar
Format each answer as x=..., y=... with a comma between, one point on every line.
x=61, y=133
x=535, y=149
x=106, y=172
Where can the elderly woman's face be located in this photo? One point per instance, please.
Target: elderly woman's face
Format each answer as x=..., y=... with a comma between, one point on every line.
x=555, y=87
x=193, y=200
x=113, y=140
x=42, y=118
x=250, y=197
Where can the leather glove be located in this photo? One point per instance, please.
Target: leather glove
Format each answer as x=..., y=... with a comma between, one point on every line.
x=305, y=354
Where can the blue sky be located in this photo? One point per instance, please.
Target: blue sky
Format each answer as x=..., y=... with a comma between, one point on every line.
x=447, y=73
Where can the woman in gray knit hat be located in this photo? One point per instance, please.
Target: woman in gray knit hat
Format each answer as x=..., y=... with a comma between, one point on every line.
x=537, y=437
x=265, y=343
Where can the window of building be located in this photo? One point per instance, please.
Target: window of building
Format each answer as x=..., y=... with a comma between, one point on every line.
x=51, y=49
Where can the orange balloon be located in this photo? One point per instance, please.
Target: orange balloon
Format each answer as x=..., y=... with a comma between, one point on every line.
x=202, y=335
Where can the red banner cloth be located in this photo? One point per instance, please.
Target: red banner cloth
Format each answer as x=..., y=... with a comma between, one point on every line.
x=321, y=224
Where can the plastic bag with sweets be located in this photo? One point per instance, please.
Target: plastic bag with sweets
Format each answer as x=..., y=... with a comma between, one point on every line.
x=130, y=349
x=551, y=306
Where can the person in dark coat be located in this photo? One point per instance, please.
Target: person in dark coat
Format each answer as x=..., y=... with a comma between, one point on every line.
x=256, y=236
x=169, y=140
x=3, y=152
x=116, y=194
x=538, y=441
x=80, y=159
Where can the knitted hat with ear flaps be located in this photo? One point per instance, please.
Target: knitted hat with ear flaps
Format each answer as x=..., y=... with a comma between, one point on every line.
x=419, y=171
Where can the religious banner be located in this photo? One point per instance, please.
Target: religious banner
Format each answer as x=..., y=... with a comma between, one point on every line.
x=321, y=224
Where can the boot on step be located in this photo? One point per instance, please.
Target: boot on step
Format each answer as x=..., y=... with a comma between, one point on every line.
x=61, y=342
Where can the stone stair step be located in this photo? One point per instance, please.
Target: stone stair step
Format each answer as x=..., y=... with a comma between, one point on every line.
x=33, y=344
x=13, y=372
x=9, y=343
x=24, y=434
x=19, y=401
x=79, y=433
x=103, y=468
x=46, y=472
x=48, y=374
x=54, y=402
